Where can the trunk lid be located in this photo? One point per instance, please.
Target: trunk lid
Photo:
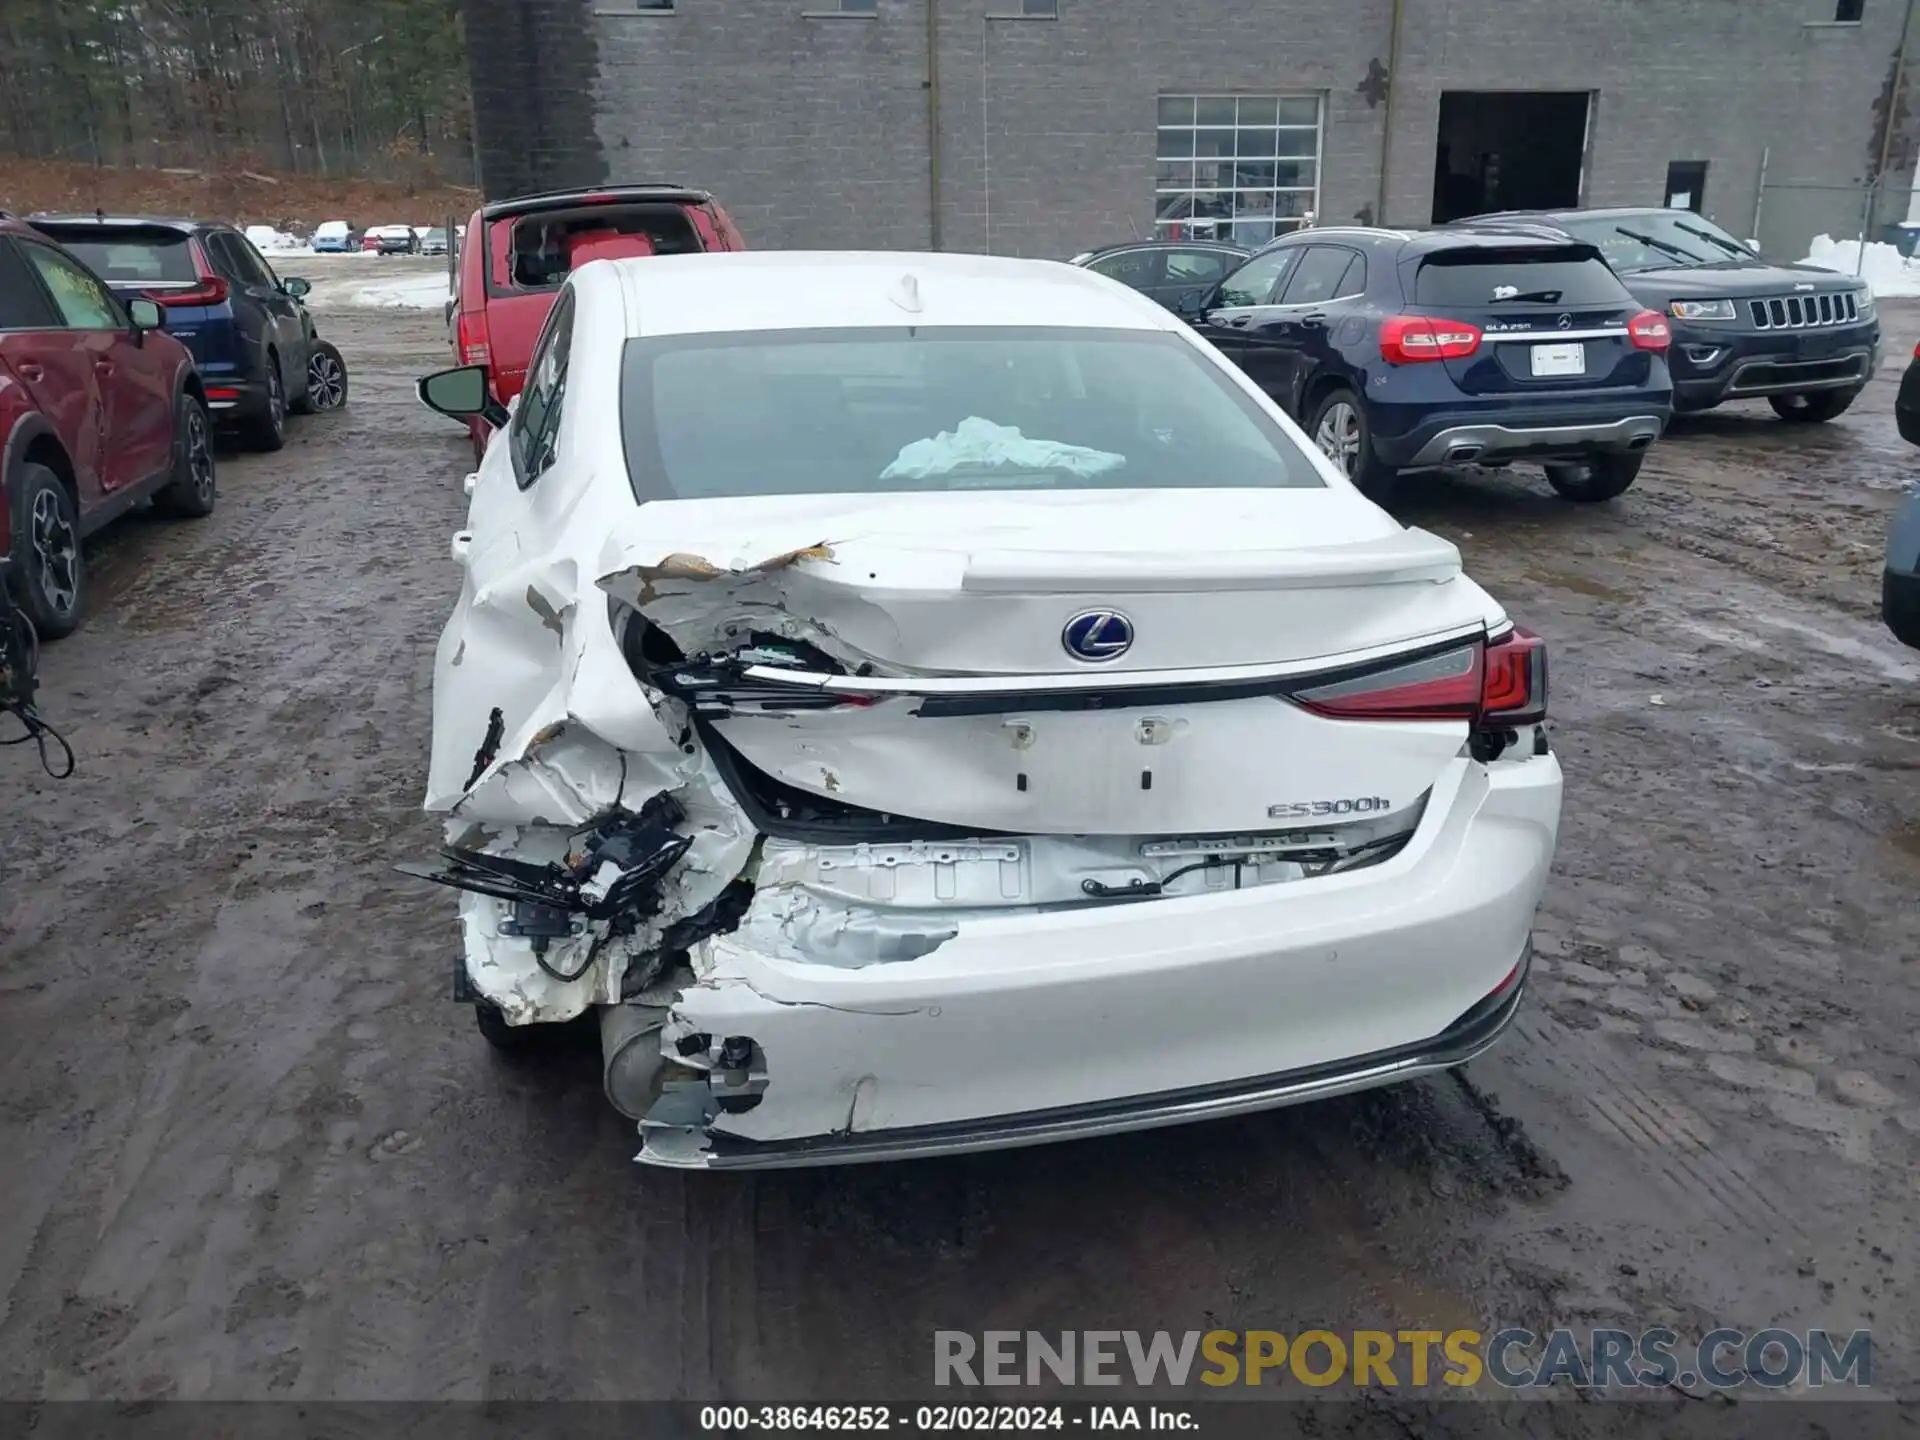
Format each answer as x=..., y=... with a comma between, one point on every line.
x=962, y=621
x=1553, y=318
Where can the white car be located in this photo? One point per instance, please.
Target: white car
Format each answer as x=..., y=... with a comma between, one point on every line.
x=927, y=703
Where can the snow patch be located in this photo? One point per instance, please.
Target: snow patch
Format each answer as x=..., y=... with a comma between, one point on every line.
x=1888, y=273
x=402, y=292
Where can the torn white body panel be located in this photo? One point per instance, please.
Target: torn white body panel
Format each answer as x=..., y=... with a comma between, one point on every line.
x=878, y=815
x=980, y=583
x=1102, y=1010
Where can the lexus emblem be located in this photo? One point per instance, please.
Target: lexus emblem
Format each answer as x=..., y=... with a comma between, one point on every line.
x=1097, y=635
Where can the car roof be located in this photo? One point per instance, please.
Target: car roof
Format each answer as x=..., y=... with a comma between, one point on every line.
x=1553, y=217
x=1414, y=243
x=1160, y=242
x=727, y=291
x=591, y=195
x=151, y=222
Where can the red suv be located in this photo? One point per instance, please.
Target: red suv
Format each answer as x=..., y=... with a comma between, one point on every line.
x=99, y=410
x=517, y=254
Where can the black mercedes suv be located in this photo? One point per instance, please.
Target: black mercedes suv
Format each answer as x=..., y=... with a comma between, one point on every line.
x=1744, y=328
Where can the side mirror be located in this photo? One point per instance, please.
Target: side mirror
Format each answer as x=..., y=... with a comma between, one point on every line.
x=1754, y=246
x=461, y=394
x=146, y=315
x=296, y=287
x=1191, y=304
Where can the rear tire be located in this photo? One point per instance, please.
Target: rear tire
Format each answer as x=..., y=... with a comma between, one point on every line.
x=49, y=576
x=1339, y=430
x=326, y=382
x=191, y=493
x=1591, y=481
x=267, y=431
x=514, y=1041
x=1813, y=408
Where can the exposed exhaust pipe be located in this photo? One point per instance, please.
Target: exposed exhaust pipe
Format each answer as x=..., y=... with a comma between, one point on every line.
x=633, y=1070
x=1460, y=454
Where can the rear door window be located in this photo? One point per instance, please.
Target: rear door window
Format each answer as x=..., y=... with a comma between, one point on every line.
x=23, y=305
x=1198, y=267
x=241, y=262
x=1323, y=275
x=1472, y=279
x=133, y=257
x=1138, y=268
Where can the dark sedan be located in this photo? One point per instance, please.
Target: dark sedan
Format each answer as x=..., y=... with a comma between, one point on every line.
x=1744, y=328
x=1170, y=271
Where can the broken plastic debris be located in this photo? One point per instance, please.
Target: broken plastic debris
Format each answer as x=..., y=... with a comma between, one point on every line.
x=977, y=444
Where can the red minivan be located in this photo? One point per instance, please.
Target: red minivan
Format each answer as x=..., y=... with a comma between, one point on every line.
x=516, y=254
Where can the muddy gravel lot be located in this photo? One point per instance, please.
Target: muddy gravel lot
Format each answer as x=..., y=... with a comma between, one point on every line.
x=254, y=1150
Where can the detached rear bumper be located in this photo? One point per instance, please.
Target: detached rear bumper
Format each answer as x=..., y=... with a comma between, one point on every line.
x=1029, y=1027
x=1471, y=1035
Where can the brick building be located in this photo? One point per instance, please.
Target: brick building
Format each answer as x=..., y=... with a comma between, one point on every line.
x=1041, y=127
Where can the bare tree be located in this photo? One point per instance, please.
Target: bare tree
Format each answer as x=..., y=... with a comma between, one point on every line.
x=368, y=88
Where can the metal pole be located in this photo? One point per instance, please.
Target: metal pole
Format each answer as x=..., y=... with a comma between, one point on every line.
x=1760, y=193
x=933, y=124
x=986, y=162
x=1866, y=223
x=1386, y=118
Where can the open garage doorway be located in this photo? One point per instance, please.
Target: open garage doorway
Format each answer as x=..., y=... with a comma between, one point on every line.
x=1509, y=150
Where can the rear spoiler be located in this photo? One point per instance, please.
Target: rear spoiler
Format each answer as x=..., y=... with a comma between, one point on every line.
x=588, y=195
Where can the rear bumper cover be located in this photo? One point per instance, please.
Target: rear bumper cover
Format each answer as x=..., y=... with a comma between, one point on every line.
x=1464, y=441
x=249, y=401
x=1474, y=1033
x=1032, y=1027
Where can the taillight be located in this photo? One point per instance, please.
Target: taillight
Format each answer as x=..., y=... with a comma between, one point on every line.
x=1916, y=352
x=470, y=339
x=1435, y=687
x=1500, y=683
x=1514, y=691
x=1410, y=339
x=1649, y=331
x=211, y=290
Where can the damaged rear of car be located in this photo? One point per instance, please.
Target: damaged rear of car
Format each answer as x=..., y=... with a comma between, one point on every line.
x=927, y=703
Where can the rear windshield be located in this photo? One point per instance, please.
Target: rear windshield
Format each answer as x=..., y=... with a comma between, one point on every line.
x=535, y=252
x=1471, y=279
x=132, y=257
x=889, y=410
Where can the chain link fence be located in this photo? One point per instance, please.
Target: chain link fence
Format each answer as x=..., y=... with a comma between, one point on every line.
x=1790, y=215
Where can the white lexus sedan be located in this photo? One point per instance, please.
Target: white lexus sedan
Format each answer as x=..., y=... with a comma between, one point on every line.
x=926, y=703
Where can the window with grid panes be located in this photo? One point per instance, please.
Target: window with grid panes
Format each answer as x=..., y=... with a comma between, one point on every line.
x=1236, y=167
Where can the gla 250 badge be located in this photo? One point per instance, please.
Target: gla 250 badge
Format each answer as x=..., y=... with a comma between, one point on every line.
x=1303, y=809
